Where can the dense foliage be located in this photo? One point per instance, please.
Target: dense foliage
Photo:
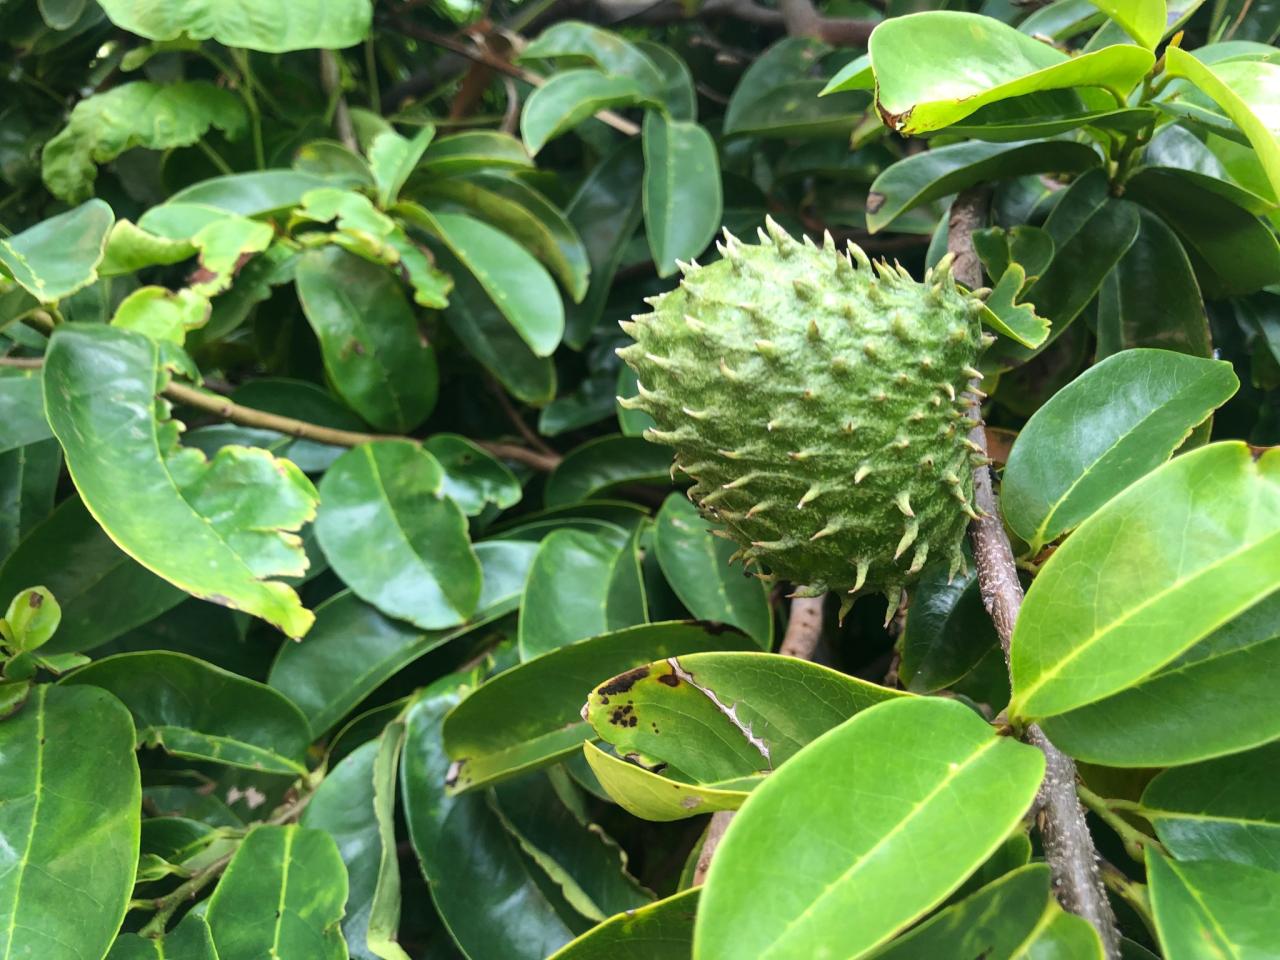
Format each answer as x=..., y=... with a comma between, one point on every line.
x=354, y=606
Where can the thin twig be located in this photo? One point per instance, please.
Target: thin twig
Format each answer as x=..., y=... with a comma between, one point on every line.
x=1068, y=847
x=168, y=905
x=331, y=81
x=1134, y=840
x=225, y=409
x=720, y=821
x=517, y=421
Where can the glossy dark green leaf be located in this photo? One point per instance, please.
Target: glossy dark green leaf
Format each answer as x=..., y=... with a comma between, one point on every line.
x=682, y=194
x=948, y=630
x=546, y=815
x=189, y=940
x=677, y=92
x=650, y=795
x=395, y=538
x=22, y=419
x=1014, y=918
x=779, y=886
x=373, y=352
x=1109, y=427
x=605, y=212
x=1221, y=809
x=335, y=163
x=282, y=893
x=525, y=214
x=571, y=592
x=473, y=477
x=1216, y=698
x=572, y=96
x=28, y=482
x=575, y=40
x=59, y=256
x=1235, y=253
x=485, y=890
x=696, y=564
x=295, y=25
x=720, y=716
x=251, y=194
x=353, y=649
x=539, y=702
x=298, y=399
x=1213, y=908
x=138, y=114
x=194, y=709
x=932, y=174
x=602, y=463
x=480, y=326
x=69, y=801
x=470, y=151
x=518, y=285
x=659, y=931
x=926, y=80
x=1209, y=526
x=230, y=515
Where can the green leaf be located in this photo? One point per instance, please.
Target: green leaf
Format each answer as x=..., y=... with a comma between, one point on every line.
x=1014, y=918
x=250, y=194
x=721, y=716
x=282, y=893
x=22, y=419
x=696, y=564
x=28, y=482
x=353, y=649
x=59, y=256
x=1247, y=91
x=1144, y=20
x=486, y=892
x=682, y=195
x=948, y=629
x=229, y=515
x=1215, y=698
x=854, y=75
x=193, y=709
x=392, y=158
x=189, y=940
x=1221, y=809
x=608, y=51
x=286, y=25
x=935, y=68
x=471, y=151
x=780, y=887
x=373, y=352
x=69, y=800
x=657, y=931
x=529, y=716
x=571, y=594
x=393, y=536
x=651, y=796
x=933, y=174
x=1209, y=526
x=488, y=335
x=677, y=93
x=572, y=96
x=1151, y=298
x=1004, y=314
x=334, y=163
x=473, y=477
x=32, y=618
x=138, y=114
x=526, y=215
x=546, y=815
x=1213, y=908
x=1234, y=252
x=1109, y=427
x=605, y=462
x=518, y=285
x=605, y=212
x=384, y=915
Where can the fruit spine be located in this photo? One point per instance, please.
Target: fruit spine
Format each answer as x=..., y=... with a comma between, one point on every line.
x=820, y=404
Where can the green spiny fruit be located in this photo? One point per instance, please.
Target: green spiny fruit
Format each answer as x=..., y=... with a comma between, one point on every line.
x=819, y=403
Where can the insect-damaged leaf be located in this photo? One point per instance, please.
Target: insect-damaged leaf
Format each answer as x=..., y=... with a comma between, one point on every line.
x=652, y=795
x=529, y=716
x=778, y=887
x=216, y=528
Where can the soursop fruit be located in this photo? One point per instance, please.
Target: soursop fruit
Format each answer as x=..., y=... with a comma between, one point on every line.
x=819, y=402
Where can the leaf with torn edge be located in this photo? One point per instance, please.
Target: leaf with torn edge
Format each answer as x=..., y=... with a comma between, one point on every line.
x=58, y=256
x=219, y=529
x=1003, y=314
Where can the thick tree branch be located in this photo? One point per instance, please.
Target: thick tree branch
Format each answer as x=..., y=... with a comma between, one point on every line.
x=1068, y=847
x=224, y=409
